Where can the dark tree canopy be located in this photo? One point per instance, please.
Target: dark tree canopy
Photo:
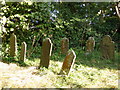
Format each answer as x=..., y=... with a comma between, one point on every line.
x=76, y=21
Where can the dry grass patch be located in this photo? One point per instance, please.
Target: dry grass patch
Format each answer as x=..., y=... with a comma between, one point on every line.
x=13, y=76
x=81, y=76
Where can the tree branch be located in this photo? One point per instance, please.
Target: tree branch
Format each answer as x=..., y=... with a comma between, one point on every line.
x=117, y=10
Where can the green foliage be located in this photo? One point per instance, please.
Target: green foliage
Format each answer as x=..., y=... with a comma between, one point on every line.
x=33, y=21
x=21, y=18
x=87, y=20
x=76, y=21
x=88, y=71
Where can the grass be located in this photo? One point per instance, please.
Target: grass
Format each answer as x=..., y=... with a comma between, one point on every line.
x=87, y=72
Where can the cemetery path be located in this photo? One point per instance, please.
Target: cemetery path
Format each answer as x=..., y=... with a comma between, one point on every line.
x=14, y=76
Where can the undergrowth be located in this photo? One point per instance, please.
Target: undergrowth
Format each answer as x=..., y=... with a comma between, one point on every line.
x=88, y=72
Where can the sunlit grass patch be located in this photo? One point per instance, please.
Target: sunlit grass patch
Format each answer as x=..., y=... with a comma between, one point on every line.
x=24, y=77
x=87, y=72
x=34, y=62
x=92, y=77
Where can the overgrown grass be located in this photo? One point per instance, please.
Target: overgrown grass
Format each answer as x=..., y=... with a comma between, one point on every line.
x=88, y=72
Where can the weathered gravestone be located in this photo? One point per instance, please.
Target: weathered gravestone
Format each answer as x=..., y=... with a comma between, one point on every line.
x=64, y=45
x=0, y=48
x=46, y=53
x=107, y=48
x=13, y=45
x=23, y=52
x=90, y=44
x=68, y=63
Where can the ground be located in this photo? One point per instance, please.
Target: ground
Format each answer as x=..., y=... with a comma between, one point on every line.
x=81, y=76
x=14, y=76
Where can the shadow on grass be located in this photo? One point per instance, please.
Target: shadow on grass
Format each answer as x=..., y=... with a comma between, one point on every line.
x=95, y=60
x=13, y=60
x=92, y=60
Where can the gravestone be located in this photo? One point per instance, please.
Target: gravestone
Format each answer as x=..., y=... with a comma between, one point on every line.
x=46, y=53
x=107, y=48
x=90, y=44
x=13, y=45
x=68, y=63
x=23, y=52
x=64, y=45
x=0, y=48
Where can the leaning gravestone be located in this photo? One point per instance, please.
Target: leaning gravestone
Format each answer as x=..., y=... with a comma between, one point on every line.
x=46, y=53
x=64, y=45
x=23, y=52
x=90, y=44
x=68, y=63
x=107, y=48
x=13, y=45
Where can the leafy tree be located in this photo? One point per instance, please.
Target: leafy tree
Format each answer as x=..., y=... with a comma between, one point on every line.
x=34, y=21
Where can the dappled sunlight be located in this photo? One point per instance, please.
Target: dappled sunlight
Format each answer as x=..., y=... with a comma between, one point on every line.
x=13, y=76
x=96, y=78
x=59, y=45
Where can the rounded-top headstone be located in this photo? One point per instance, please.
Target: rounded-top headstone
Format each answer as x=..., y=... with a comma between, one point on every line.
x=107, y=48
x=106, y=39
x=64, y=45
x=90, y=44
